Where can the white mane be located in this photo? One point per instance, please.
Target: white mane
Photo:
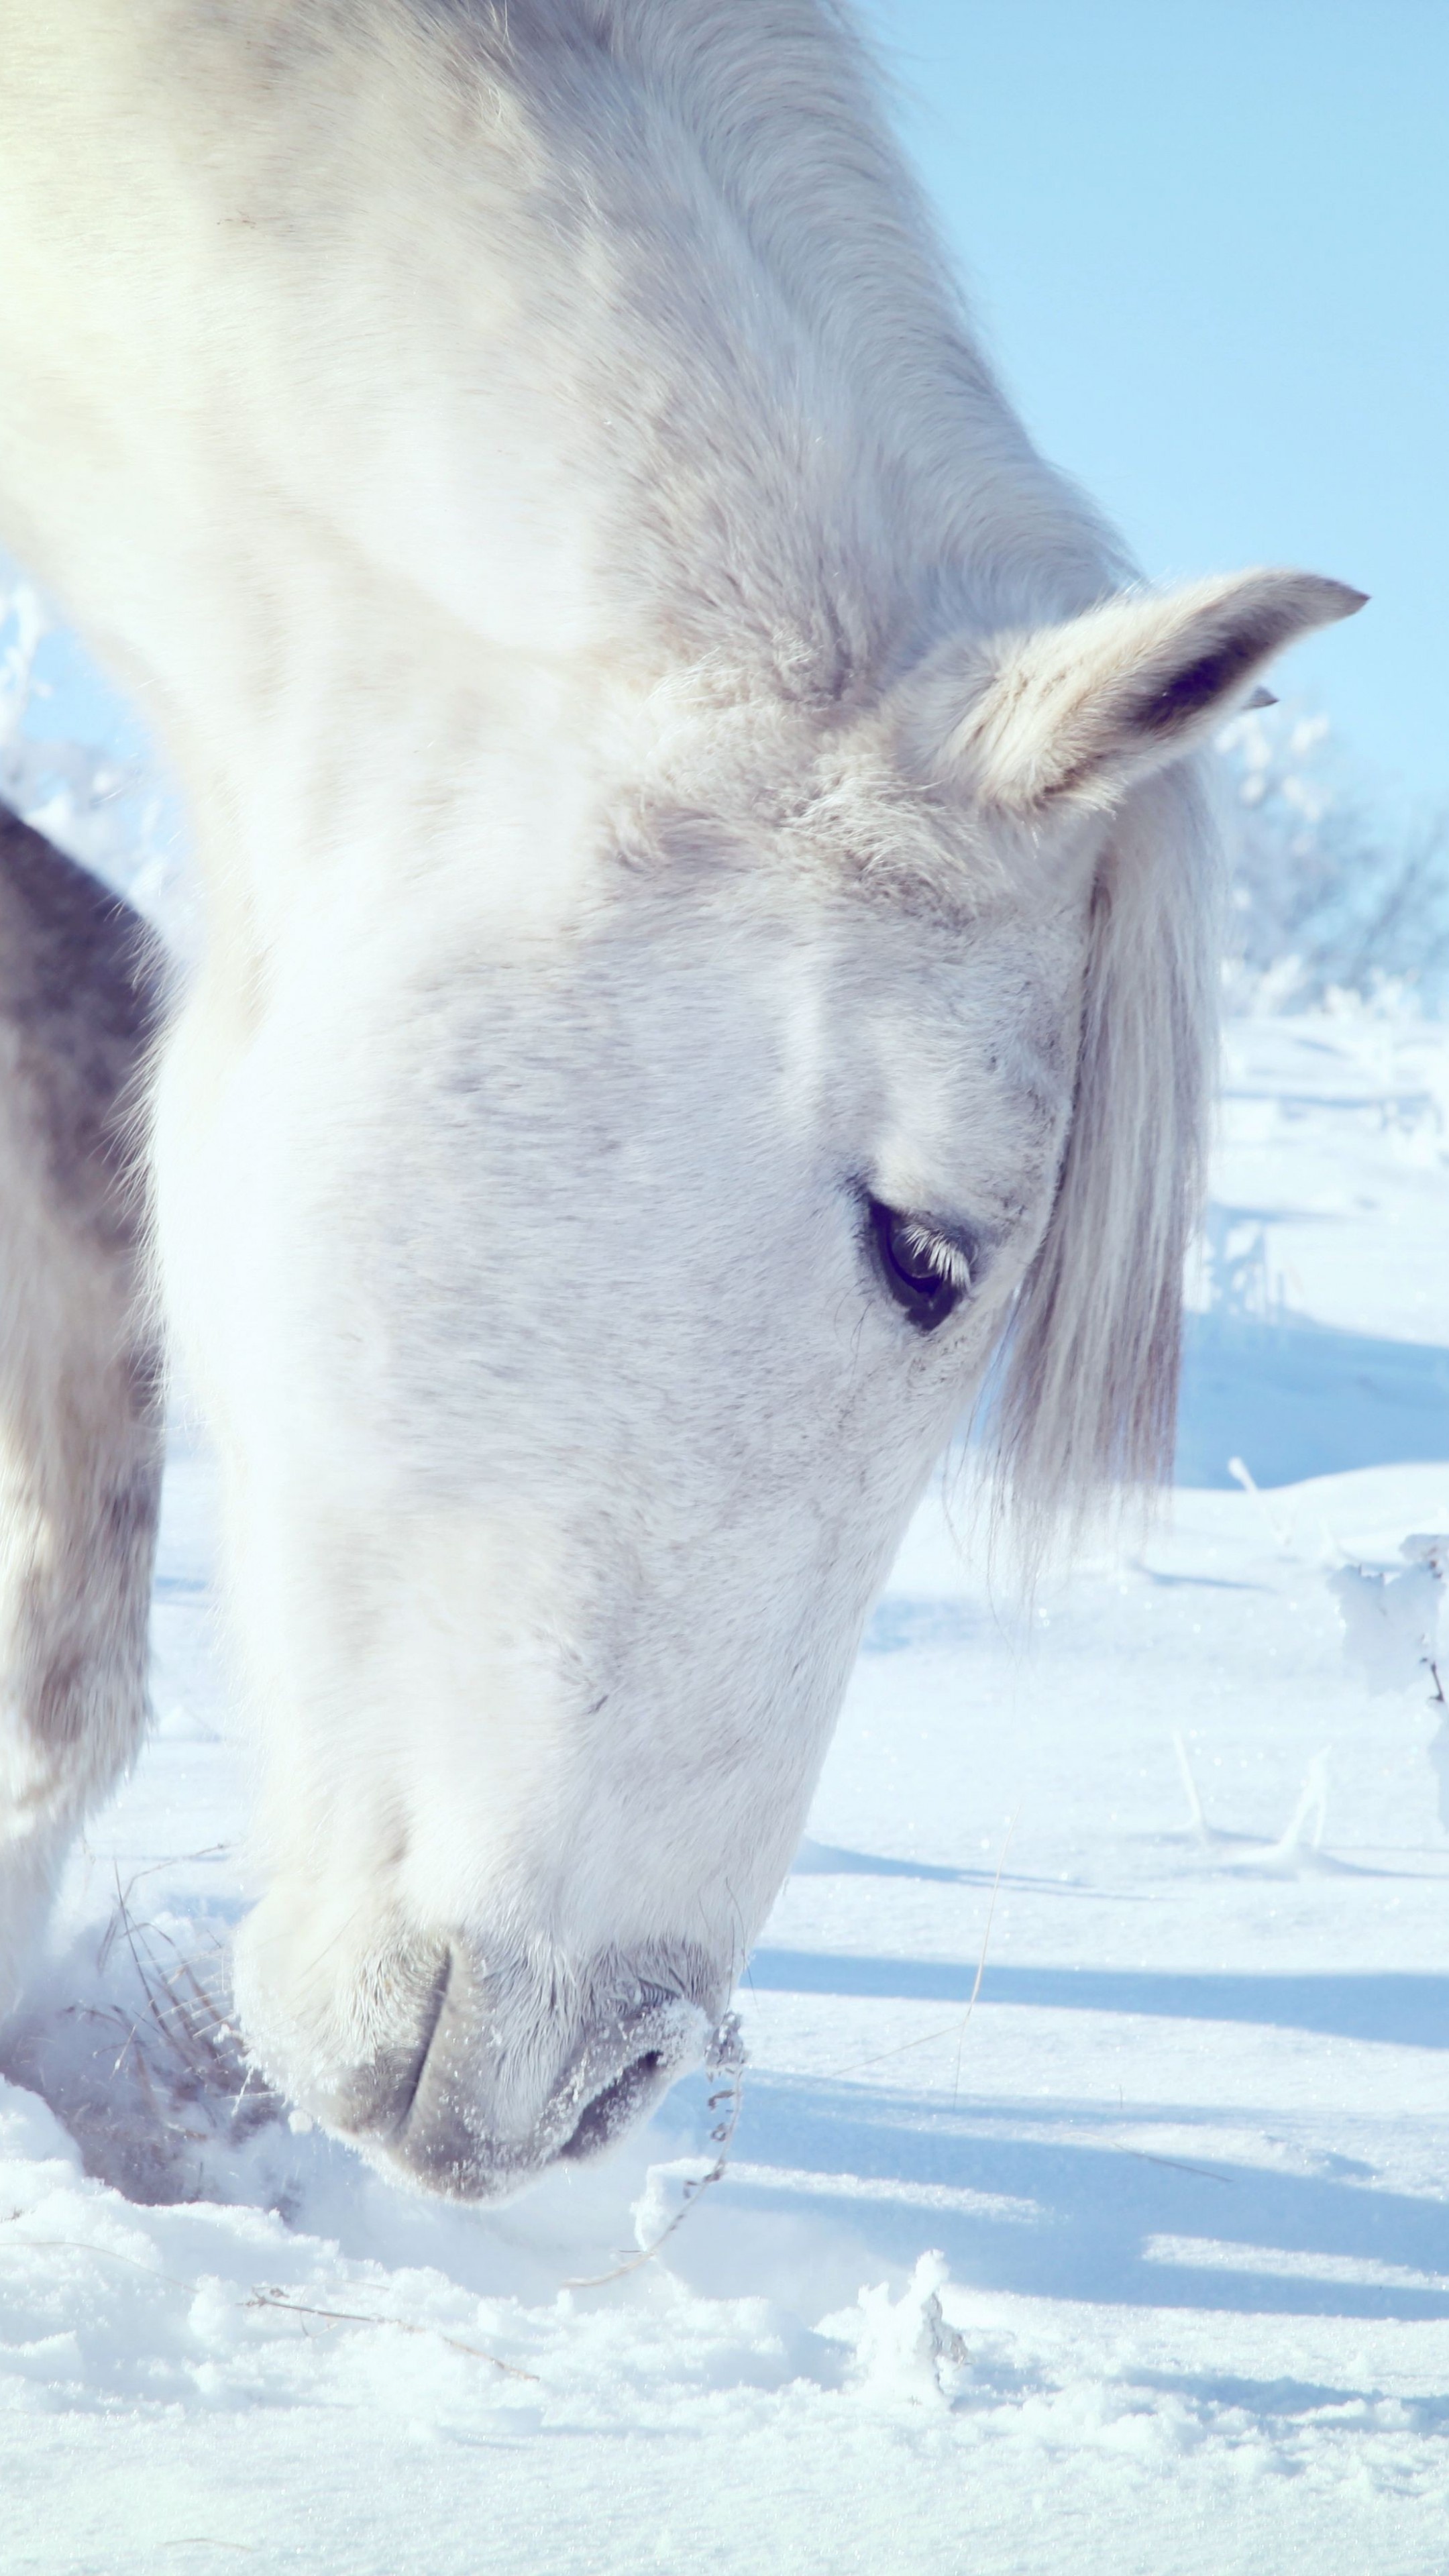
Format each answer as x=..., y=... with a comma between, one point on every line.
x=725, y=173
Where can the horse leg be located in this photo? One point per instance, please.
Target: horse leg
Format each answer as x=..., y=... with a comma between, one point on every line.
x=80, y=1444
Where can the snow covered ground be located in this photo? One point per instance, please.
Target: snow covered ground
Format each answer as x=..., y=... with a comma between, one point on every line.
x=1138, y=2263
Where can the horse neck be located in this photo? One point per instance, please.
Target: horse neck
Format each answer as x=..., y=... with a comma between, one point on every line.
x=423, y=426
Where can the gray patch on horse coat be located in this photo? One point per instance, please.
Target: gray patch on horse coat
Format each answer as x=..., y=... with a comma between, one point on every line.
x=80, y=995
x=80, y=1004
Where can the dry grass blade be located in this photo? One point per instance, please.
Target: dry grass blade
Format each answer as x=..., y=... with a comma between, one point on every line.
x=290, y=2307
x=952, y=2029
x=726, y=2057
x=281, y=2300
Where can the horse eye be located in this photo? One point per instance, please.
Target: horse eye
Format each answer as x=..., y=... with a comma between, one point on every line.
x=926, y=1273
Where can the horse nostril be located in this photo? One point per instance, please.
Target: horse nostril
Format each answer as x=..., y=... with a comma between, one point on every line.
x=617, y=2107
x=474, y=2114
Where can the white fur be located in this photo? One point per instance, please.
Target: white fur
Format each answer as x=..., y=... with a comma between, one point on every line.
x=617, y=646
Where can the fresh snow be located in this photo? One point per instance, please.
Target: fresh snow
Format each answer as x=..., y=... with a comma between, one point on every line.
x=1138, y=2261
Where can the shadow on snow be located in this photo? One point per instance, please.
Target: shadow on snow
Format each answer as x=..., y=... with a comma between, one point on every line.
x=1295, y=1399
x=1408, y=2009
x=1081, y=2220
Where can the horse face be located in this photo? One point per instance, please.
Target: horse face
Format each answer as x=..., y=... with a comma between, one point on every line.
x=601, y=1305
x=585, y=1295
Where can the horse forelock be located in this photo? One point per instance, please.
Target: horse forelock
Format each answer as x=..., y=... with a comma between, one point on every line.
x=1088, y=1401
x=737, y=779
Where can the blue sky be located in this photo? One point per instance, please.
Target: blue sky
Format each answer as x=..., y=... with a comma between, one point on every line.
x=1209, y=247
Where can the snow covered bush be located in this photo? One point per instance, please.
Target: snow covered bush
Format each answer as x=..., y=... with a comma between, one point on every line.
x=1391, y=1621
x=1325, y=899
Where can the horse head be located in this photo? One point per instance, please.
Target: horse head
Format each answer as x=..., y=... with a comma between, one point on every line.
x=591, y=1282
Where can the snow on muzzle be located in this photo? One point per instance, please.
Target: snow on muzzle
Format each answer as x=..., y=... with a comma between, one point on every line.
x=503, y=2070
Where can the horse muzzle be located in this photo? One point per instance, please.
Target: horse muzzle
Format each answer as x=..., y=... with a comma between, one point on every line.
x=478, y=2074
x=470, y=2129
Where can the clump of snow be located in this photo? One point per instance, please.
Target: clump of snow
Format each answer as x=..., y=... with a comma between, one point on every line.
x=668, y=2190
x=905, y=2352
x=1391, y=1621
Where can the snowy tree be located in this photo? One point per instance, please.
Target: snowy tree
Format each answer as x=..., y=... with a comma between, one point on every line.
x=1326, y=899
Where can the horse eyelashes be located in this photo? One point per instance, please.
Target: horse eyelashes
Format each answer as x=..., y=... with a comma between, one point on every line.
x=926, y=1273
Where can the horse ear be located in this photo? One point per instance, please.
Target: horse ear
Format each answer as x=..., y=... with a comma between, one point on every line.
x=1073, y=714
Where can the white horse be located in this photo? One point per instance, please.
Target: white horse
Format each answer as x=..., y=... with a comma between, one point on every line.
x=709, y=925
